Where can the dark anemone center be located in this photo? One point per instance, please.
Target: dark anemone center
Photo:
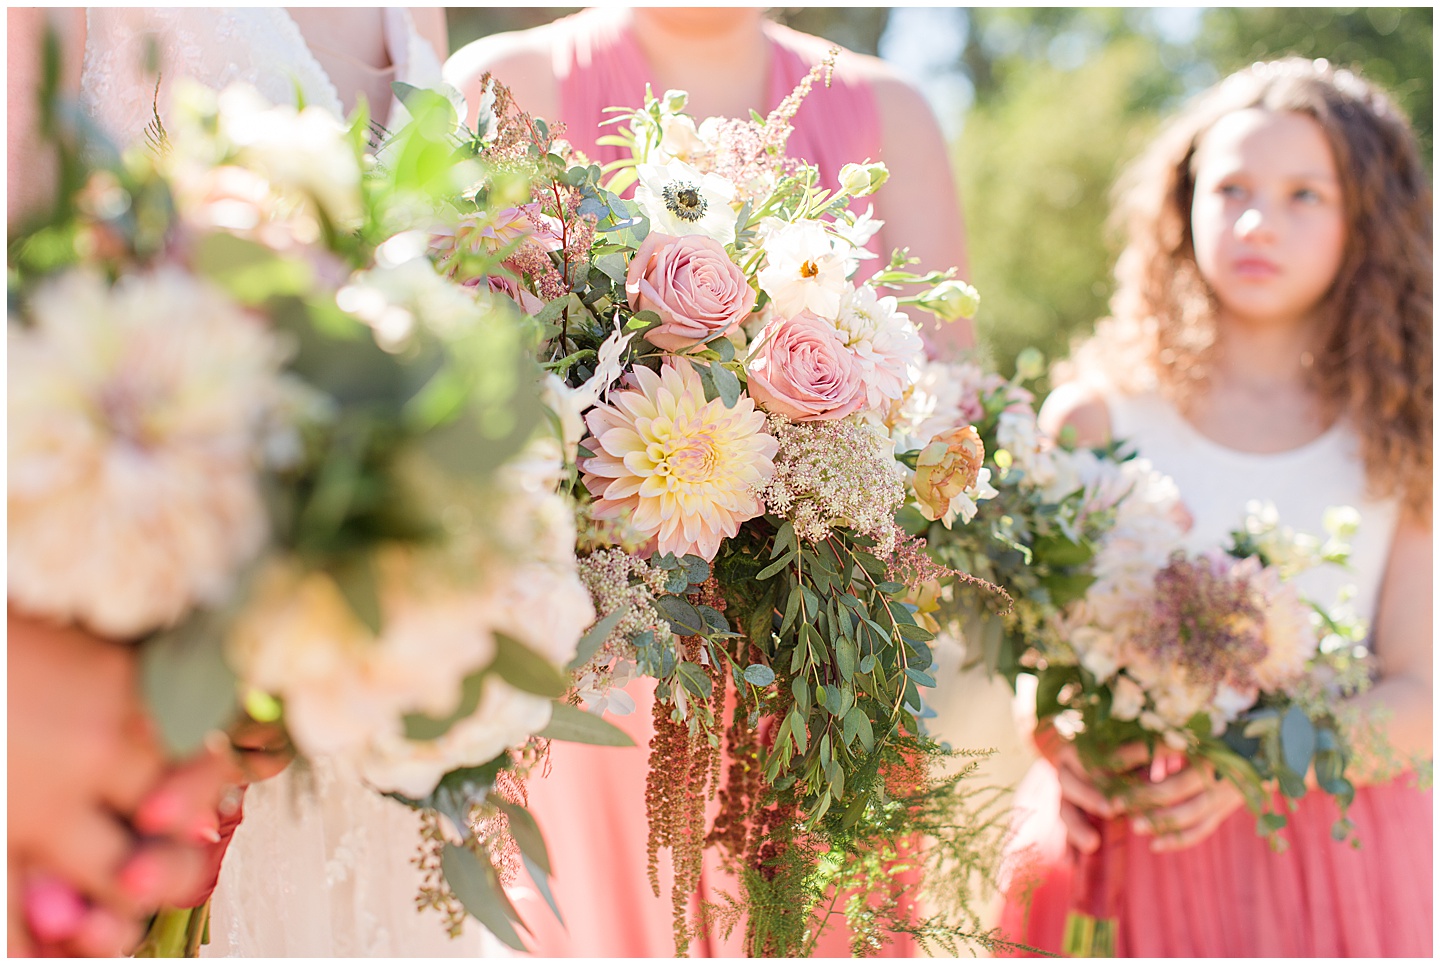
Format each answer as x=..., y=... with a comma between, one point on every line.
x=684, y=201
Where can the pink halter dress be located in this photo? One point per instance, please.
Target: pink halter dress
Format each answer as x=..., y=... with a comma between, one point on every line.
x=591, y=804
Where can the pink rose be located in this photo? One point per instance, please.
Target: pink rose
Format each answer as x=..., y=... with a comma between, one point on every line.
x=804, y=370
x=693, y=286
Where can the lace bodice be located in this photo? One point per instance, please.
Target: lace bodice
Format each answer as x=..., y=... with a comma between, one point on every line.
x=217, y=46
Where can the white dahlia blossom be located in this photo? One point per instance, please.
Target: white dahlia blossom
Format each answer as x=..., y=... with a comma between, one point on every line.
x=134, y=436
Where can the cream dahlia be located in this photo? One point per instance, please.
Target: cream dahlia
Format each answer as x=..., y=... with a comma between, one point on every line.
x=134, y=435
x=687, y=471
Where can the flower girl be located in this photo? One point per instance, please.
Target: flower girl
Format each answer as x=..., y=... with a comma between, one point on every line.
x=1271, y=340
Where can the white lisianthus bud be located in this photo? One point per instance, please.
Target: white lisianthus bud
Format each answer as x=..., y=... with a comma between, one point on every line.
x=859, y=180
x=674, y=101
x=951, y=300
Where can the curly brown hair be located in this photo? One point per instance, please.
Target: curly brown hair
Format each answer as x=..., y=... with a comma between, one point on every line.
x=1373, y=362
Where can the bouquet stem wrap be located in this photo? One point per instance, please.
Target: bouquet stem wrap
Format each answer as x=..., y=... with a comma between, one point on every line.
x=1099, y=878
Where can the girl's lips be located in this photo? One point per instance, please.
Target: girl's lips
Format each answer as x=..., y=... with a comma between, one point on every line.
x=1255, y=268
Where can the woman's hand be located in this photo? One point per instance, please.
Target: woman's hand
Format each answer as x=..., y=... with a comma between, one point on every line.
x=1080, y=796
x=1184, y=808
x=94, y=807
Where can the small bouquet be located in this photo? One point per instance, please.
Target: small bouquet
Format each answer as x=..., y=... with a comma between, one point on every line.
x=723, y=367
x=254, y=429
x=1219, y=655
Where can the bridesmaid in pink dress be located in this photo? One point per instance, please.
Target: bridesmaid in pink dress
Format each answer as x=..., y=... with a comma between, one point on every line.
x=1292, y=200
x=591, y=805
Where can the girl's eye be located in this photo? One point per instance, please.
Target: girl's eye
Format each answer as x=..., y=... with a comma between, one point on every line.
x=1231, y=190
x=1307, y=196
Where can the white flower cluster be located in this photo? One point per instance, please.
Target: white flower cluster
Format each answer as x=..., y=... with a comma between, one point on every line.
x=135, y=429
x=347, y=692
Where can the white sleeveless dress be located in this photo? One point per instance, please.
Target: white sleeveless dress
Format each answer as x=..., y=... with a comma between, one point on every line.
x=321, y=865
x=1216, y=482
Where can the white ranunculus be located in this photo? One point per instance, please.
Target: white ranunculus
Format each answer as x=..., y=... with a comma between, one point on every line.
x=135, y=427
x=1128, y=698
x=884, y=341
x=804, y=270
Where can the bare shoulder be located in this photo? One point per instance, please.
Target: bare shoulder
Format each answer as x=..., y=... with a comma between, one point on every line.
x=894, y=92
x=1078, y=406
x=522, y=60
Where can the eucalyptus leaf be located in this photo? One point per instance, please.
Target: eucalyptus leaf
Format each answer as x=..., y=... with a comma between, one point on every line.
x=524, y=669
x=694, y=678
x=525, y=832
x=358, y=583
x=542, y=885
x=726, y=384
x=759, y=675
x=419, y=727
x=478, y=887
x=569, y=723
x=682, y=617
x=189, y=687
x=1297, y=741
x=597, y=635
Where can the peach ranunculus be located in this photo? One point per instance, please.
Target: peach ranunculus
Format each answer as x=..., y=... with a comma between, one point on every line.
x=692, y=284
x=802, y=369
x=946, y=468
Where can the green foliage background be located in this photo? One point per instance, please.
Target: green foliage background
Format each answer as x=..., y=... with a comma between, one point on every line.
x=1063, y=97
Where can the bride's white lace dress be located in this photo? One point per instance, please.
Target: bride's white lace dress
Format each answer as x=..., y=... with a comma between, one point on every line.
x=321, y=865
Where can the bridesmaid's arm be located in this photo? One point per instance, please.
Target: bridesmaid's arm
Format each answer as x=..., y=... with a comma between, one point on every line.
x=521, y=60
x=1403, y=641
x=920, y=203
x=430, y=24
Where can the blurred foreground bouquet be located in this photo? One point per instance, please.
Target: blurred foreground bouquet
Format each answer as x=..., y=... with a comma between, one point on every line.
x=253, y=428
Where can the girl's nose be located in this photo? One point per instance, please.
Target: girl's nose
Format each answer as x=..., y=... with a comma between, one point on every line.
x=1252, y=224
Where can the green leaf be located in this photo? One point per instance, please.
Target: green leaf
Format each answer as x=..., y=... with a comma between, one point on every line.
x=851, y=728
x=726, y=384
x=696, y=569
x=912, y=632
x=1066, y=588
x=723, y=347
x=597, y=635
x=847, y=657
x=524, y=669
x=797, y=730
x=694, y=678
x=759, y=675
x=189, y=687
x=1056, y=550
x=784, y=538
x=542, y=885
x=713, y=618
x=776, y=566
x=478, y=887
x=250, y=272
x=525, y=832
x=1297, y=741
x=613, y=265
x=923, y=679
x=681, y=616
x=419, y=727
x=570, y=723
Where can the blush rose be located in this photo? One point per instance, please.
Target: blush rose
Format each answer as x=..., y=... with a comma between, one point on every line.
x=692, y=284
x=802, y=369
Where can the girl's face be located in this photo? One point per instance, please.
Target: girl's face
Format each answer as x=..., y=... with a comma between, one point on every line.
x=1268, y=219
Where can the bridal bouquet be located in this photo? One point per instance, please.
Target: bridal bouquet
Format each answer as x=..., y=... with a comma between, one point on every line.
x=252, y=427
x=723, y=368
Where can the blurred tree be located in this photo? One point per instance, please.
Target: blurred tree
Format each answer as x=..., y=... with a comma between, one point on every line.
x=472, y=23
x=1393, y=46
x=1036, y=162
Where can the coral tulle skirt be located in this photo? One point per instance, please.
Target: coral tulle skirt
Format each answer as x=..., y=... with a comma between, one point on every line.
x=1231, y=895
